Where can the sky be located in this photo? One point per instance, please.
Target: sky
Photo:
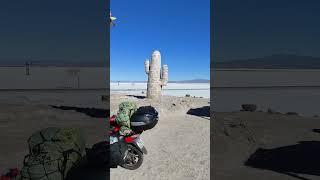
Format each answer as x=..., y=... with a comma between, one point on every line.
x=179, y=29
x=75, y=30
x=61, y=30
x=250, y=28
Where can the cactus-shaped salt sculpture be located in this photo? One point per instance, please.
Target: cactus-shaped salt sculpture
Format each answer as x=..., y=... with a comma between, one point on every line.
x=157, y=76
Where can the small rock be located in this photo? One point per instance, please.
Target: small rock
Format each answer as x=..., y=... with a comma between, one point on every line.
x=105, y=98
x=249, y=107
x=187, y=95
x=292, y=113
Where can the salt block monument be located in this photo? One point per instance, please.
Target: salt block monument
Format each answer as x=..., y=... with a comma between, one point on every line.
x=157, y=76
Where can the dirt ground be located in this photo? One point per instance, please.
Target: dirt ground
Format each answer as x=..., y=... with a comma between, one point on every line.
x=179, y=146
x=260, y=145
x=23, y=113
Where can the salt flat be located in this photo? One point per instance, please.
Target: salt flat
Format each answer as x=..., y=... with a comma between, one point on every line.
x=173, y=89
x=53, y=78
x=264, y=77
x=283, y=90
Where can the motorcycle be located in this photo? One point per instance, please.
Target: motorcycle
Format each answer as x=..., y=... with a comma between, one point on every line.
x=135, y=149
x=132, y=147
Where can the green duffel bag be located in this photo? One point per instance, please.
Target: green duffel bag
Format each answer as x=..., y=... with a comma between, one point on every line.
x=53, y=139
x=44, y=166
x=53, y=152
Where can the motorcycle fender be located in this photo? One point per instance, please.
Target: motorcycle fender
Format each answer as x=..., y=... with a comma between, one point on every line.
x=144, y=150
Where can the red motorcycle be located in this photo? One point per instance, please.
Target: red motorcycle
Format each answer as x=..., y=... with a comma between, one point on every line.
x=144, y=118
x=133, y=156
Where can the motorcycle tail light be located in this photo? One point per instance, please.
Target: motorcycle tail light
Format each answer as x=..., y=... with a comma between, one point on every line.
x=128, y=139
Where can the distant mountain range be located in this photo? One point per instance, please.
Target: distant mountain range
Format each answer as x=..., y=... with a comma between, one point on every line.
x=51, y=63
x=192, y=81
x=182, y=81
x=278, y=61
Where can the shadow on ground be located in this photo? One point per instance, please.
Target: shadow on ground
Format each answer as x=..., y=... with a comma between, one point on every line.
x=301, y=158
x=92, y=112
x=316, y=130
x=95, y=165
x=90, y=168
x=89, y=173
x=201, y=112
x=138, y=97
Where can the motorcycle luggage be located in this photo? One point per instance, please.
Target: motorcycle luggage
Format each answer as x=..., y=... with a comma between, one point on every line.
x=107, y=154
x=145, y=118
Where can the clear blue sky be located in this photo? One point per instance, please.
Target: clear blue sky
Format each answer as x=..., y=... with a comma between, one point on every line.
x=67, y=30
x=257, y=28
x=180, y=29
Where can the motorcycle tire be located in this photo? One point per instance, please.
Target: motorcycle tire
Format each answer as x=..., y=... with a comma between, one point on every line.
x=132, y=150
